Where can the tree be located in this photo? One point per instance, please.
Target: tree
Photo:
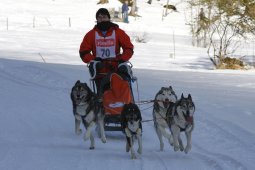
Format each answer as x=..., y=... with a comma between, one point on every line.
x=225, y=34
x=150, y=1
x=103, y=2
x=199, y=22
x=226, y=22
x=133, y=8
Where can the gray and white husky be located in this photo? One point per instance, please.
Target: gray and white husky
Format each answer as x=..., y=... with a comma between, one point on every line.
x=163, y=99
x=180, y=119
x=88, y=110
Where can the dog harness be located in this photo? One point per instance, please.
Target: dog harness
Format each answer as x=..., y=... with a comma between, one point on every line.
x=130, y=133
x=91, y=100
x=188, y=119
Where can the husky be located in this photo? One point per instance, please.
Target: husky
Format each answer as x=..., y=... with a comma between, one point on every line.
x=132, y=127
x=88, y=110
x=163, y=99
x=180, y=119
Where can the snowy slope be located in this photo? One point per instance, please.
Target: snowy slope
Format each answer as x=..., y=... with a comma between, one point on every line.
x=37, y=125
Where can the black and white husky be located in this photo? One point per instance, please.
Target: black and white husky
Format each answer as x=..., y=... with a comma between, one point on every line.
x=163, y=99
x=180, y=119
x=88, y=110
x=132, y=126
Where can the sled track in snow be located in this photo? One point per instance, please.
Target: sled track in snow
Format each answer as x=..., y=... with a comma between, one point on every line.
x=218, y=160
x=205, y=157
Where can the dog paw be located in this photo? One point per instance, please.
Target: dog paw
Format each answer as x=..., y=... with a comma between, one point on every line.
x=139, y=150
x=187, y=149
x=181, y=148
x=78, y=131
x=92, y=147
x=103, y=140
x=133, y=156
x=176, y=148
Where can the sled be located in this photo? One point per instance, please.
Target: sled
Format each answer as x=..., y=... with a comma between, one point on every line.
x=118, y=93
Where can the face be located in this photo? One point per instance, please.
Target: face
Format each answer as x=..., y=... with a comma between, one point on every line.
x=133, y=120
x=132, y=113
x=102, y=18
x=187, y=107
x=165, y=96
x=80, y=93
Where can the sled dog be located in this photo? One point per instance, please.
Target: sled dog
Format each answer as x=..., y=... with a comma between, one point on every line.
x=163, y=99
x=180, y=119
x=132, y=126
x=88, y=110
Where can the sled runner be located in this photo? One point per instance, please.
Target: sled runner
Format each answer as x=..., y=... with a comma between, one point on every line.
x=116, y=90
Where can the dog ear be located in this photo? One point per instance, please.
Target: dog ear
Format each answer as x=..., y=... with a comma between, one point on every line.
x=87, y=87
x=170, y=87
x=77, y=82
x=182, y=96
x=189, y=97
x=85, y=84
x=160, y=91
x=135, y=106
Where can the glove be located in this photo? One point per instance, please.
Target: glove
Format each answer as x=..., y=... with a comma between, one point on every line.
x=121, y=61
x=98, y=59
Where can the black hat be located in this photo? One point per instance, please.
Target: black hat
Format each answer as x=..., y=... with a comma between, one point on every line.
x=103, y=11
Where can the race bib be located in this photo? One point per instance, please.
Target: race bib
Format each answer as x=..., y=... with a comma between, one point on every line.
x=105, y=46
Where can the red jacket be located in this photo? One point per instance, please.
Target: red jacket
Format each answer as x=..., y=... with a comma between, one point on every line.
x=122, y=41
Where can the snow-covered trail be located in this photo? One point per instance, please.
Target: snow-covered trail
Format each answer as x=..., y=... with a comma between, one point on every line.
x=37, y=125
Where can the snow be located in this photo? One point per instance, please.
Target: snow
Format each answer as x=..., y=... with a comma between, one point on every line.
x=37, y=124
